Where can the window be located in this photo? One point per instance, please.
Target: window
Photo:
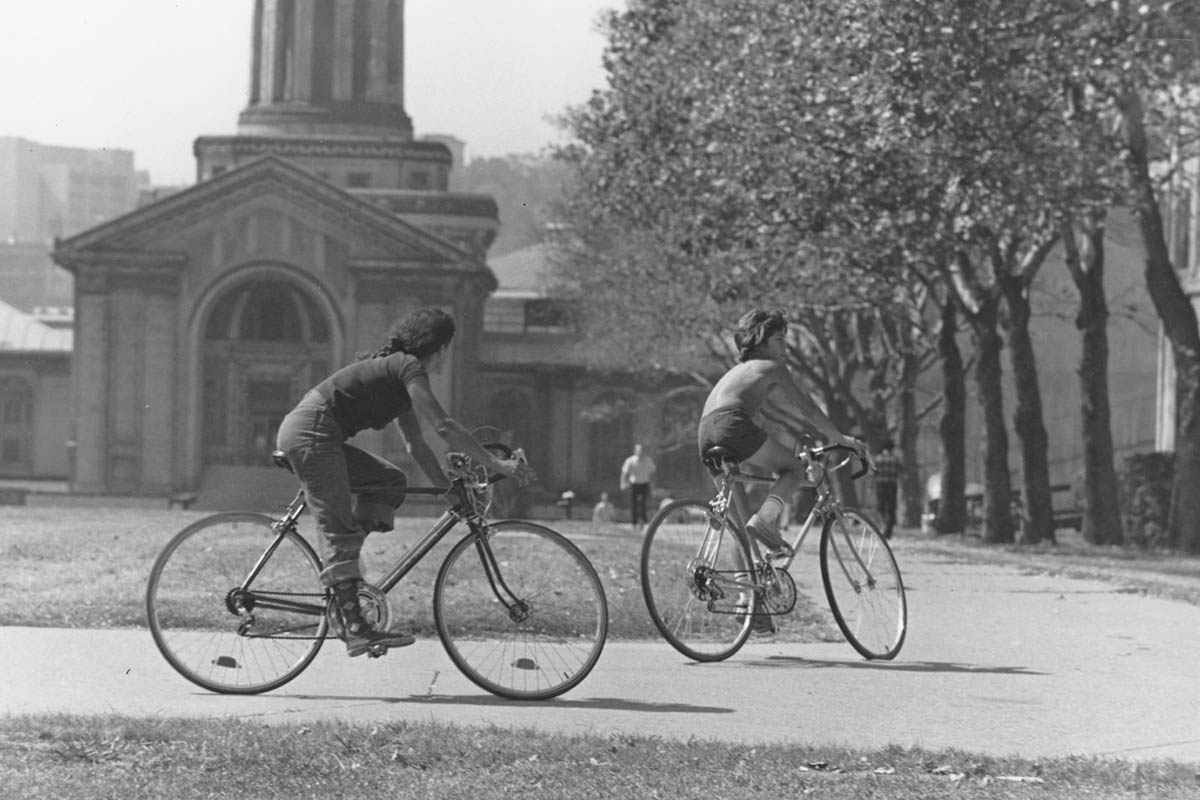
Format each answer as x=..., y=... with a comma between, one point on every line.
x=549, y=316
x=16, y=424
x=418, y=179
x=358, y=180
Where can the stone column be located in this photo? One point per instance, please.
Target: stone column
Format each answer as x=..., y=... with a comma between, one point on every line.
x=90, y=388
x=159, y=357
x=303, y=30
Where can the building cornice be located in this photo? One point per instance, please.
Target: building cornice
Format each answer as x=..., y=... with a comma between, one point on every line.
x=320, y=147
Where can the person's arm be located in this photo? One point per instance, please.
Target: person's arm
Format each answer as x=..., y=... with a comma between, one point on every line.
x=789, y=405
x=419, y=449
x=455, y=434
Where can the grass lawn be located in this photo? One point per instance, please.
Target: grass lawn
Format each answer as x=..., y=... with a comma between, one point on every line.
x=64, y=758
x=87, y=567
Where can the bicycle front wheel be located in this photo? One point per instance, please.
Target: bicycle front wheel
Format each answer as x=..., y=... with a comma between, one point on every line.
x=222, y=629
x=520, y=611
x=863, y=585
x=697, y=581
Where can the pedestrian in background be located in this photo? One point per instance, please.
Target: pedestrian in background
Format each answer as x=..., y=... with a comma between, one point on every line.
x=603, y=512
x=887, y=479
x=637, y=473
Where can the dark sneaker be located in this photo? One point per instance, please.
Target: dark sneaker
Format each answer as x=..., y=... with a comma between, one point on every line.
x=361, y=636
x=369, y=640
x=762, y=625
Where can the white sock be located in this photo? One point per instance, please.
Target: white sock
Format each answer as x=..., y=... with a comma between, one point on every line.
x=771, y=511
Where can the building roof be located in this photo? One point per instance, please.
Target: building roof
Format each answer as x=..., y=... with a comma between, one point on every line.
x=20, y=332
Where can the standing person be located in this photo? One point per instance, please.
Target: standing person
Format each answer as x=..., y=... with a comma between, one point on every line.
x=887, y=478
x=351, y=492
x=637, y=472
x=760, y=387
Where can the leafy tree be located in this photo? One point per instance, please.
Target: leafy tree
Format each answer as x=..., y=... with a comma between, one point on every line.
x=1130, y=78
x=928, y=143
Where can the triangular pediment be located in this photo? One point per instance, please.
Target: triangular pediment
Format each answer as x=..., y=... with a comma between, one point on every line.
x=269, y=184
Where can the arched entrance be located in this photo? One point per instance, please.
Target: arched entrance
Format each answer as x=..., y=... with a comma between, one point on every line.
x=265, y=343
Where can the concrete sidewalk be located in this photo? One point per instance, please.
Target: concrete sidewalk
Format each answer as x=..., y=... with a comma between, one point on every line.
x=996, y=661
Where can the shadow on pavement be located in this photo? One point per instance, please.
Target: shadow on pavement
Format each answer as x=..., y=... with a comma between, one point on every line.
x=891, y=666
x=605, y=703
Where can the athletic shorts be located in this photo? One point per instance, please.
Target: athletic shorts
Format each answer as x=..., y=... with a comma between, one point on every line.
x=730, y=427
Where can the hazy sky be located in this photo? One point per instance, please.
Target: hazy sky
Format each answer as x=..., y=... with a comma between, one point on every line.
x=152, y=75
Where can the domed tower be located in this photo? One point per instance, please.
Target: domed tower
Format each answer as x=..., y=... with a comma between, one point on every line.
x=327, y=94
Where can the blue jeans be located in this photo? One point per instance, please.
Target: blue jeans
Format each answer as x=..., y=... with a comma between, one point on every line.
x=332, y=473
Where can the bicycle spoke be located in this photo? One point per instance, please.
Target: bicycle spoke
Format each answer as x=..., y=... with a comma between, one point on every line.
x=225, y=639
x=529, y=623
x=694, y=582
x=863, y=585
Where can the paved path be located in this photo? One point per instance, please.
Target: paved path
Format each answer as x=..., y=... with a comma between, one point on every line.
x=996, y=661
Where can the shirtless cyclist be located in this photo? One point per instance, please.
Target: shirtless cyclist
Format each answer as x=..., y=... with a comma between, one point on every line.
x=760, y=387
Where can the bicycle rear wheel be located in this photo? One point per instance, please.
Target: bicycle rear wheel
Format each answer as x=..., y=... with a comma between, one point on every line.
x=863, y=585
x=222, y=637
x=696, y=578
x=528, y=621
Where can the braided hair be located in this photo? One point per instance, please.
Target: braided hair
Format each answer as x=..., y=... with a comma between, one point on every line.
x=421, y=333
x=753, y=330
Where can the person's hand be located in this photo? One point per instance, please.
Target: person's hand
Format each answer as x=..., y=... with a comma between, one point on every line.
x=514, y=468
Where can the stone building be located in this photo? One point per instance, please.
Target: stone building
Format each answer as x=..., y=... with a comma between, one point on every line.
x=203, y=316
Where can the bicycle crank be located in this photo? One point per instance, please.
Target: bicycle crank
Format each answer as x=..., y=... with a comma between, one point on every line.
x=375, y=610
x=778, y=594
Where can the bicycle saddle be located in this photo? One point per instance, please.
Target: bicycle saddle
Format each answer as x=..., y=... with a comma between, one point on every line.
x=717, y=458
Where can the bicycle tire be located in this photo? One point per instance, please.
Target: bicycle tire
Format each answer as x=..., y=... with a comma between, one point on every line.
x=679, y=580
x=551, y=642
x=869, y=607
x=193, y=620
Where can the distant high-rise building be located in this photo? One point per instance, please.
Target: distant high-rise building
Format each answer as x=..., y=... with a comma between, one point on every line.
x=48, y=191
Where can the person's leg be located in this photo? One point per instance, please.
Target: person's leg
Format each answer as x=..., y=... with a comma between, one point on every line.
x=641, y=492
x=774, y=457
x=378, y=486
x=889, y=508
x=322, y=471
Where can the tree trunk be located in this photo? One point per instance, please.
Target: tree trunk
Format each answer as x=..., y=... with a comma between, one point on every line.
x=952, y=507
x=1028, y=417
x=909, y=430
x=1180, y=326
x=1101, y=501
x=847, y=488
x=997, y=483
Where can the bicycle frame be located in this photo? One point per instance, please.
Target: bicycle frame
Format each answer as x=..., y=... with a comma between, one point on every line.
x=731, y=496
x=462, y=510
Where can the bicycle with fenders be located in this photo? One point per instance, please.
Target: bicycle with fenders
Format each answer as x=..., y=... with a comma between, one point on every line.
x=707, y=583
x=236, y=605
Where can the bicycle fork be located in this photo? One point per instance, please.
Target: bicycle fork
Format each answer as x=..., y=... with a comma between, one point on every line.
x=519, y=610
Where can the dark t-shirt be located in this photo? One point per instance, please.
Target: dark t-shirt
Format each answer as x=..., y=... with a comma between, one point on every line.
x=370, y=393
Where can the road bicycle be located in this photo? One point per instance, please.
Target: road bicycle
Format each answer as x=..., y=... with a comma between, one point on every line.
x=236, y=605
x=707, y=584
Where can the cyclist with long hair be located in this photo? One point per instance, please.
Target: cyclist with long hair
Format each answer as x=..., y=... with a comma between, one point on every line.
x=351, y=492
